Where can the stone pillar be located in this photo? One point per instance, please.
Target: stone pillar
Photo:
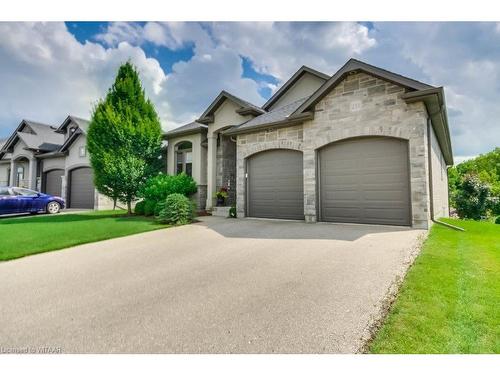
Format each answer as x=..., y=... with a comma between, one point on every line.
x=64, y=188
x=309, y=185
x=32, y=174
x=211, y=169
x=12, y=173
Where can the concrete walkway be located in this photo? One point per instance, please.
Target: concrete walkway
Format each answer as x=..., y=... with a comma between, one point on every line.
x=218, y=286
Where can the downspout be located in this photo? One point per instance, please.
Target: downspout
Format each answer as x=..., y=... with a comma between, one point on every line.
x=431, y=190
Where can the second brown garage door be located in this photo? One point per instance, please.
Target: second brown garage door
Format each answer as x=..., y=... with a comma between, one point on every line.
x=275, y=185
x=365, y=180
x=52, y=182
x=81, y=188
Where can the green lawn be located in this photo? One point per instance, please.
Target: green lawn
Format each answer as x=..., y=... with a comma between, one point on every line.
x=37, y=234
x=450, y=299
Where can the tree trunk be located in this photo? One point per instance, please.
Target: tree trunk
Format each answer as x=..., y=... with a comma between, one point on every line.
x=129, y=207
x=114, y=203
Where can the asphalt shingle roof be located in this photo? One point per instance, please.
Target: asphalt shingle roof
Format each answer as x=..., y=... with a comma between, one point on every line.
x=192, y=126
x=278, y=114
x=44, y=134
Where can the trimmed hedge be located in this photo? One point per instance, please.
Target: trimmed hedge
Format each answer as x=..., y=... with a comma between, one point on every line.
x=139, y=208
x=149, y=207
x=158, y=188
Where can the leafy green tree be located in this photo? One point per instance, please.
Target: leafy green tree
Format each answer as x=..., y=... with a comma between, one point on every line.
x=473, y=198
x=124, y=138
x=486, y=167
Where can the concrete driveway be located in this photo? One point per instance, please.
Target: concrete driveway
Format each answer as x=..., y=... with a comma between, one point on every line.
x=218, y=286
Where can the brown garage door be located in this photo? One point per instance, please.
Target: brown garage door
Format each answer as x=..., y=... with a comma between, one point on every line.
x=81, y=188
x=365, y=180
x=52, y=182
x=275, y=185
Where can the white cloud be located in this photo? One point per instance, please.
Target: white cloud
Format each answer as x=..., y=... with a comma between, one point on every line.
x=280, y=48
x=47, y=74
x=463, y=58
x=118, y=32
x=193, y=84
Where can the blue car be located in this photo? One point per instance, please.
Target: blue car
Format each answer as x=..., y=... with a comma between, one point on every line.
x=15, y=200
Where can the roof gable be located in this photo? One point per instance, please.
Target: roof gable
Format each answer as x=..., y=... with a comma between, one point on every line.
x=354, y=65
x=246, y=108
x=40, y=137
x=80, y=122
x=303, y=70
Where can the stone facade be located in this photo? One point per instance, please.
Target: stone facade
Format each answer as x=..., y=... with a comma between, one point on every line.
x=200, y=198
x=361, y=105
x=226, y=168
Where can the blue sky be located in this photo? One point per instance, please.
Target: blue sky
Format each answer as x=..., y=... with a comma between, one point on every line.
x=50, y=70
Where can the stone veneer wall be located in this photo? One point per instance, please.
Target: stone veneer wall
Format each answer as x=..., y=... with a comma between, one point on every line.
x=226, y=168
x=200, y=198
x=361, y=105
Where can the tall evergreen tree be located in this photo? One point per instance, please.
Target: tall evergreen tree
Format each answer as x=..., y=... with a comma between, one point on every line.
x=124, y=138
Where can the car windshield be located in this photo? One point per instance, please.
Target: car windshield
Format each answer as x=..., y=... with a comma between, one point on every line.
x=24, y=192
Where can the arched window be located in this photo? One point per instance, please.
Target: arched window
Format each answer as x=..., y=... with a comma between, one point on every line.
x=184, y=158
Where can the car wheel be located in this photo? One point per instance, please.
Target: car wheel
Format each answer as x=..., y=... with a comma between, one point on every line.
x=53, y=207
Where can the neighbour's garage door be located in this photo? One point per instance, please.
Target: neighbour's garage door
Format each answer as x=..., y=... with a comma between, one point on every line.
x=275, y=185
x=365, y=180
x=52, y=182
x=81, y=188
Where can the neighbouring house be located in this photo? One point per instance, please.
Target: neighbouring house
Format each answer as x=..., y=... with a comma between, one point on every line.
x=52, y=160
x=364, y=145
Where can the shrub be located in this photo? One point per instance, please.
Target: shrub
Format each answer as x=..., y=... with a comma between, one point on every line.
x=232, y=211
x=494, y=205
x=497, y=220
x=472, y=198
x=139, y=208
x=177, y=210
x=158, y=188
x=158, y=207
x=149, y=207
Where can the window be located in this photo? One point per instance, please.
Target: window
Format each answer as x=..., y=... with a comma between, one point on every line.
x=189, y=163
x=20, y=174
x=82, y=151
x=180, y=162
x=184, y=158
x=24, y=192
x=4, y=191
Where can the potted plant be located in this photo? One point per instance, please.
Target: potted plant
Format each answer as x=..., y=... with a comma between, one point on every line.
x=221, y=196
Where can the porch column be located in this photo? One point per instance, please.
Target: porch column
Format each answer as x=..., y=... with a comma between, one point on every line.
x=12, y=173
x=32, y=174
x=211, y=168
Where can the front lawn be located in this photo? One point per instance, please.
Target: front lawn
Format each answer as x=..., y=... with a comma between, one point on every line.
x=37, y=234
x=450, y=299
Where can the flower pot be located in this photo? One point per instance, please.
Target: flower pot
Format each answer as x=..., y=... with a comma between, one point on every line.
x=220, y=201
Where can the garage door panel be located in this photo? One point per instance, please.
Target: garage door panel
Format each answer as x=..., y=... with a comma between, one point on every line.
x=53, y=182
x=365, y=180
x=275, y=185
x=81, y=188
